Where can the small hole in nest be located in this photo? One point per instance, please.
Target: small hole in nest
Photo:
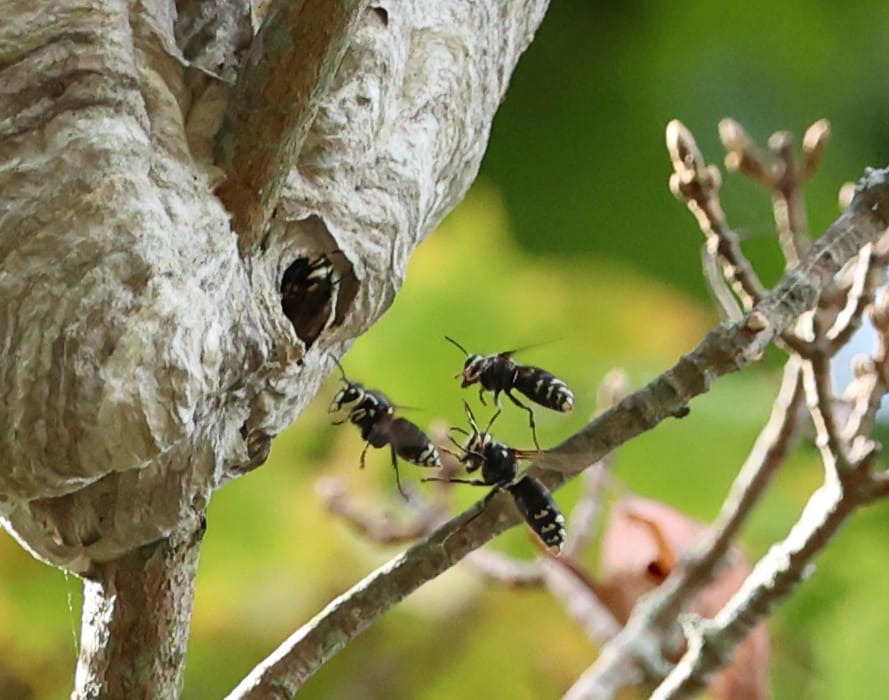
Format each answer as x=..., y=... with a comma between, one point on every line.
x=382, y=14
x=307, y=296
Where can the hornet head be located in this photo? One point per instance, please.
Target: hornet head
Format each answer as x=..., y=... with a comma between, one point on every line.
x=349, y=396
x=472, y=368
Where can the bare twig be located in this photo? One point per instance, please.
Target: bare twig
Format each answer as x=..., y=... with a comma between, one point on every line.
x=727, y=348
x=711, y=642
x=865, y=278
x=850, y=482
x=585, y=514
x=788, y=202
x=700, y=662
x=697, y=185
x=784, y=179
x=382, y=528
x=814, y=141
x=872, y=375
x=819, y=400
x=768, y=454
x=715, y=278
x=639, y=639
x=507, y=570
x=743, y=157
x=579, y=600
x=291, y=64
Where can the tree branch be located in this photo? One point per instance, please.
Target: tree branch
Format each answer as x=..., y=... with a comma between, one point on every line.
x=614, y=666
x=731, y=346
x=286, y=76
x=637, y=645
x=850, y=482
x=136, y=615
x=727, y=348
x=711, y=642
x=697, y=185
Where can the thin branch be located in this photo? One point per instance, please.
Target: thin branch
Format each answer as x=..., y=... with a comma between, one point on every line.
x=296, y=660
x=719, y=287
x=507, y=570
x=820, y=400
x=290, y=67
x=382, y=528
x=727, y=348
x=861, y=287
x=769, y=452
x=582, y=524
x=849, y=482
x=743, y=157
x=584, y=518
x=697, y=184
x=814, y=142
x=638, y=640
x=788, y=202
x=872, y=376
x=579, y=600
x=712, y=642
x=656, y=611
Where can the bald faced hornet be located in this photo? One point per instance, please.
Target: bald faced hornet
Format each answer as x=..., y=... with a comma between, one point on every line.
x=536, y=504
x=311, y=291
x=499, y=465
x=307, y=296
x=499, y=373
x=374, y=415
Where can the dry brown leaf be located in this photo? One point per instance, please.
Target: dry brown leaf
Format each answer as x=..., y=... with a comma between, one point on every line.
x=641, y=544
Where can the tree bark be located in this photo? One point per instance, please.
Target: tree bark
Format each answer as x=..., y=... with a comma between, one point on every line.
x=121, y=655
x=146, y=358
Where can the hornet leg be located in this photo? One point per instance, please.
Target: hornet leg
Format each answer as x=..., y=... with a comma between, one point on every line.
x=397, y=475
x=530, y=417
x=471, y=482
x=363, y=452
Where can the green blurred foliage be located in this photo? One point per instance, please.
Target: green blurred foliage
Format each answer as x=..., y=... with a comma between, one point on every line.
x=571, y=242
x=577, y=147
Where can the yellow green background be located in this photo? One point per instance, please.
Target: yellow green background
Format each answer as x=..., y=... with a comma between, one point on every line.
x=569, y=239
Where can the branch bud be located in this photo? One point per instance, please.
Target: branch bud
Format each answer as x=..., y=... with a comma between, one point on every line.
x=780, y=141
x=733, y=136
x=683, y=149
x=814, y=141
x=741, y=154
x=816, y=137
x=846, y=193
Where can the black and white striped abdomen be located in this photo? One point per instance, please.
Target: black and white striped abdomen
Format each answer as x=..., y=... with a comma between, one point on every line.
x=544, y=388
x=428, y=456
x=412, y=444
x=540, y=511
